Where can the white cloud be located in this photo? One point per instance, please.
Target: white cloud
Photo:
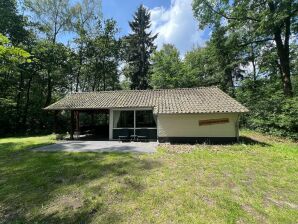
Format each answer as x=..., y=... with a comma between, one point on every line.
x=177, y=26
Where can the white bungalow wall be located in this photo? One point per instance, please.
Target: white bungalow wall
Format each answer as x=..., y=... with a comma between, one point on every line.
x=187, y=125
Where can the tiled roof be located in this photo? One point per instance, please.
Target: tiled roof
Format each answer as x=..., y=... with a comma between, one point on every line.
x=163, y=101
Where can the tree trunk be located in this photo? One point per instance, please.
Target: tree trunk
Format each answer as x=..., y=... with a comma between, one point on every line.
x=77, y=117
x=253, y=62
x=104, y=76
x=72, y=124
x=18, y=100
x=79, y=70
x=49, y=90
x=78, y=81
x=55, y=128
x=284, y=61
x=25, y=115
x=283, y=51
x=229, y=83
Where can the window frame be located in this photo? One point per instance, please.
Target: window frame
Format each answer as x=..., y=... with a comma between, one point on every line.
x=145, y=126
x=134, y=126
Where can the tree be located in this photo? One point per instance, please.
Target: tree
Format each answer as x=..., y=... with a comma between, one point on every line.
x=200, y=67
x=139, y=46
x=218, y=63
x=11, y=56
x=86, y=17
x=226, y=56
x=256, y=22
x=12, y=24
x=167, y=68
x=52, y=16
x=85, y=25
x=103, y=53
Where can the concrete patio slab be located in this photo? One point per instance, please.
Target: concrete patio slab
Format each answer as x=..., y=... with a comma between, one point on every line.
x=99, y=146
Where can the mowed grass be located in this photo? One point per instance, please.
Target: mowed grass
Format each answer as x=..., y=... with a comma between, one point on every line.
x=255, y=181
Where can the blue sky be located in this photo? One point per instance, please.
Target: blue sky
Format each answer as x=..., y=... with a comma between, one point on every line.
x=122, y=10
x=172, y=19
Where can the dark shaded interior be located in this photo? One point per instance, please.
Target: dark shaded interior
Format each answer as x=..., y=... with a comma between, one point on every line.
x=94, y=125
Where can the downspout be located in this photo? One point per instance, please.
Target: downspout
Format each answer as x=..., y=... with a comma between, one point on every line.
x=111, y=124
x=134, y=123
x=237, y=127
x=155, y=116
x=157, y=128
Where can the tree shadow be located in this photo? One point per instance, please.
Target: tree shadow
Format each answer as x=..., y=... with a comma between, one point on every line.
x=222, y=141
x=31, y=180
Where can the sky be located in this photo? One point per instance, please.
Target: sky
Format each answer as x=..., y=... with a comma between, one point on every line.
x=172, y=19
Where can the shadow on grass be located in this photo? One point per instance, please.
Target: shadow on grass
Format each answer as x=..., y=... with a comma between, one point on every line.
x=30, y=180
x=242, y=140
x=222, y=141
x=249, y=141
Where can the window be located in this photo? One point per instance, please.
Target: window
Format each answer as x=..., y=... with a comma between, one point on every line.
x=124, y=119
x=145, y=119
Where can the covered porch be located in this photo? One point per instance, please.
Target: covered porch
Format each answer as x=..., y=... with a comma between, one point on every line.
x=89, y=124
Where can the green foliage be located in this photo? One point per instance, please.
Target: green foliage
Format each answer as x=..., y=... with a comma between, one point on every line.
x=167, y=68
x=219, y=63
x=270, y=110
x=256, y=23
x=51, y=16
x=103, y=53
x=11, y=56
x=86, y=15
x=225, y=58
x=139, y=47
x=90, y=64
x=199, y=68
x=12, y=24
x=11, y=59
x=250, y=34
x=223, y=62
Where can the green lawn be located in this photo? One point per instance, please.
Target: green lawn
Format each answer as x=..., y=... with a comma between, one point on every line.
x=255, y=182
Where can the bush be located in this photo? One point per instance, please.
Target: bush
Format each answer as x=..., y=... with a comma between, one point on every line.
x=270, y=111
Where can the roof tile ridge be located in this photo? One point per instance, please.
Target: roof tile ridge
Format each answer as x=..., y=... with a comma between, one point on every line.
x=145, y=90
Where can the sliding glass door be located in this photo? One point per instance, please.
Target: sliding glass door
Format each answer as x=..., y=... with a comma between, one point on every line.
x=131, y=123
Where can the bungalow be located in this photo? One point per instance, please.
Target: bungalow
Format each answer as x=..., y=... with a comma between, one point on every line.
x=166, y=115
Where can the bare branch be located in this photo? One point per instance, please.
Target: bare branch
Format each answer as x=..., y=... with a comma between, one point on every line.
x=228, y=17
x=256, y=41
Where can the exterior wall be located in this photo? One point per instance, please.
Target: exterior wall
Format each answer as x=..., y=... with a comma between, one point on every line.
x=187, y=125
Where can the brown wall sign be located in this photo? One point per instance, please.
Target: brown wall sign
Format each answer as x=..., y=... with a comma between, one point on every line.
x=213, y=121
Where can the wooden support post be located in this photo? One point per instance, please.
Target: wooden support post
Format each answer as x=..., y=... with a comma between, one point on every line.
x=92, y=118
x=55, y=121
x=71, y=124
x=77, y=114
x=77, y=118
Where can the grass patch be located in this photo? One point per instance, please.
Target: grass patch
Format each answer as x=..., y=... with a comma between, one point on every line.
x=254, y=181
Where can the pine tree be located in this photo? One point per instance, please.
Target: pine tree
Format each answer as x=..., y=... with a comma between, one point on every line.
x=139, y=47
